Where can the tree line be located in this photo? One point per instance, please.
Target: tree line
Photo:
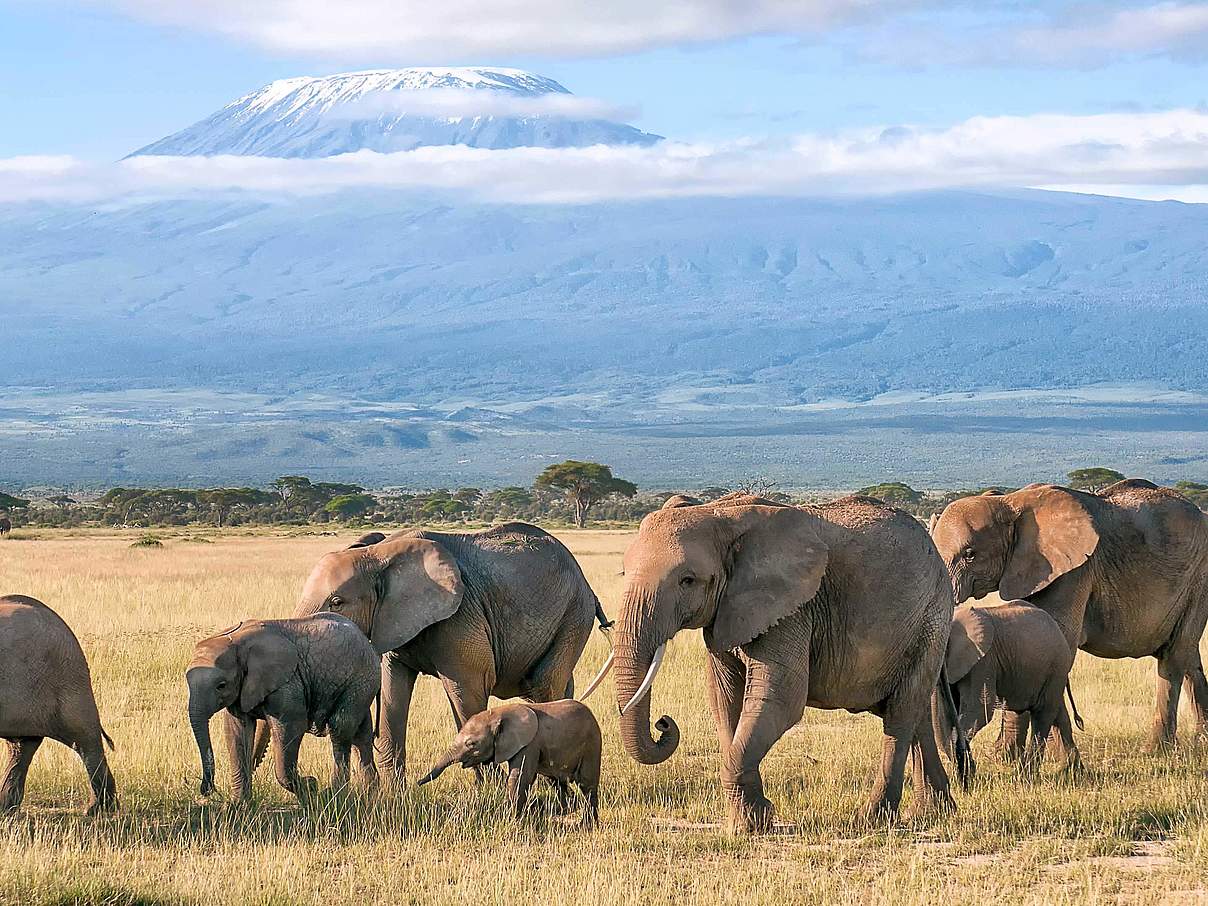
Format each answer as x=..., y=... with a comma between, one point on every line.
x=569, y=493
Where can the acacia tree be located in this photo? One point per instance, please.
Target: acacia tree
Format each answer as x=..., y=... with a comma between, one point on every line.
x=584, y=484
x=1094, y=479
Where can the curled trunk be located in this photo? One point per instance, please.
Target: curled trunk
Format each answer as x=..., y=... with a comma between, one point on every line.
x=634, y=646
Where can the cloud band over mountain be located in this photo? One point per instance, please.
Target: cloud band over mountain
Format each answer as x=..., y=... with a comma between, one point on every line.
x=1151, y=152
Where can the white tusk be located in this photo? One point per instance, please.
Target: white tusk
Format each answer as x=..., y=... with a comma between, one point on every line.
x=591, y=687
x=655, y=663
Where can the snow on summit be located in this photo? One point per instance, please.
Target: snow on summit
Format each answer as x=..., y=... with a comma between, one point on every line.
x=399, y=109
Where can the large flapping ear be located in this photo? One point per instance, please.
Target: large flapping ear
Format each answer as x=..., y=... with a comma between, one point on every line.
x=268, y=659
x=777, y=561
x=515, y=726
x=420, y=584
x=970, y=640
x=1053, y=534
x=367, y=540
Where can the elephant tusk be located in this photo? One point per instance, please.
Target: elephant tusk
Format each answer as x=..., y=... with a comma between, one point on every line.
x=591, y=687
x=655, y=663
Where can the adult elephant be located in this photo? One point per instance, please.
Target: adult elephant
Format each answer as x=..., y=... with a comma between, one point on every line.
x=504, y=612
x=1123, y=572
x=844, y=605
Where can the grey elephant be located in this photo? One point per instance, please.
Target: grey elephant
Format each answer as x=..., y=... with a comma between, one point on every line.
x=6, y=526
x=46, y=693
x=559, y=740
x=503, y=612
x=1124, y=572
x=1014, y=655
x=845, y=605
x=317, y=674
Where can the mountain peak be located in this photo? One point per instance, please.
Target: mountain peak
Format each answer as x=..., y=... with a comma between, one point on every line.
x=399, y=109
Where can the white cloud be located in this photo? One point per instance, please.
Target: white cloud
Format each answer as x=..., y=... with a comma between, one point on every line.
x=1160, y=153
x=438, y=32
x=458, y=103
x=1063, y=36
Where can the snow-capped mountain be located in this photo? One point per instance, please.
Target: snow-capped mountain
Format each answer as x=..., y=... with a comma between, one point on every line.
x=400, y=109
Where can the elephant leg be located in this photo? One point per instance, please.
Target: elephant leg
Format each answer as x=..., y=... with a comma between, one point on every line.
x=21, y=753
x=1171, y=671
x=522, y=770
x=1064, y=731
x=1013, y=736
x=553, y=675
x=1041, y=720
x=341, y=763
x=727, y=679
x=587, y=779
x=1197, y=689
x=287, y=740
x=100, y=778
x=398, y=684
x=467, y=698
x=773, y=701
x=363, y=742
x=931, y=786
x=239, y=738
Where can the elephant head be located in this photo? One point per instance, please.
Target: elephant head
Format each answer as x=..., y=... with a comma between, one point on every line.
x=237, y=669
x=1017, y=544
x=392, y=589
x=734, y=571
x=489, y=736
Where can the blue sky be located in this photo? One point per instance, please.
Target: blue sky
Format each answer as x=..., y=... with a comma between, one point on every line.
x=96, y=80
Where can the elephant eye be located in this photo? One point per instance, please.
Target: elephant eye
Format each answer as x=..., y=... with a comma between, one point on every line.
x=687, y=581
x=337, y=601
x=968, y=553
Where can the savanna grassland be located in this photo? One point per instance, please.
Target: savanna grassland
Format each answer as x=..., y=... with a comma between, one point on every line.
x=1134, y=829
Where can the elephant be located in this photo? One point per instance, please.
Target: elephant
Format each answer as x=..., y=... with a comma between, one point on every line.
x=1124, y=572
x=1014, y=654
x=504, y=612
x=559, y=740
x=680, y=500
x=46, y=692
x=6, y=526
x=843, y=605
x=316, y=674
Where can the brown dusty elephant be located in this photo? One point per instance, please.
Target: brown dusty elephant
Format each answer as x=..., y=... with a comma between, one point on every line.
x=46, y=692
x=314, y=675
x=844, y=605
x=503, y=612
x=1015, y=655
x=559, y=740
x=1123, y=572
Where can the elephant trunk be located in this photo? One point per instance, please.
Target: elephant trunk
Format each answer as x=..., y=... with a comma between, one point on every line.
x=442, y=764
x=200, y=721
x=638, y=650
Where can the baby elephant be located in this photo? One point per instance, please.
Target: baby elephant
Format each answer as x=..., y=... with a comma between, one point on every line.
x=46, y=691
x=560, y=740
x=1014, y=654
x=316, y=674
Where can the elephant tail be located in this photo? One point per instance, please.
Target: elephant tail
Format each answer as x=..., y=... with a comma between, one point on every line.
x=605, y=623
x=962, y=755
x=107, y=740
x=1078, y=722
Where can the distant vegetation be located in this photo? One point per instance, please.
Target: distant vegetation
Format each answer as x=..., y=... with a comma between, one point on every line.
x=563, y=494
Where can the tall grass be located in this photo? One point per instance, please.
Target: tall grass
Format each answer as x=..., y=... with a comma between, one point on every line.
x=1135, y=829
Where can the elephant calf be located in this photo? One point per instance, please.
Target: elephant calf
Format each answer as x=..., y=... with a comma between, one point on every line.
x=316, y=674
x=1014, y=654
x=560, y=740
x=46, y=691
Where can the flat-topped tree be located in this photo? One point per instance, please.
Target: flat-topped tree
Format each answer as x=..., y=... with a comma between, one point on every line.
x=1093, y=480
x=584, y=484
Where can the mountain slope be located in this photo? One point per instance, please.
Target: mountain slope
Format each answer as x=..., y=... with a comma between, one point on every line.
x=397, y=110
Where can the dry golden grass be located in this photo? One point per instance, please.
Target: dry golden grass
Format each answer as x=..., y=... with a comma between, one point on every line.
x=1134, y=830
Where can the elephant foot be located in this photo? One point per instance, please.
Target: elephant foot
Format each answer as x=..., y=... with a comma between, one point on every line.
x=100, y=807
x=1073, y=769
x=878, y=812
x=753, y=816
x=1160, y=745
x=306, y=789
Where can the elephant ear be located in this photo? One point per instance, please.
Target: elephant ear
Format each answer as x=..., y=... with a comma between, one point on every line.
x=515, y=727
x=420, y=584
x=777, y=561
x=933, y=522
x=1054, y=533
x=269, y=659
x=969, y=641
x=367, y=540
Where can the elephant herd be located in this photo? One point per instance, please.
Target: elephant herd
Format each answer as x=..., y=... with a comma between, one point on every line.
x=843, y=605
